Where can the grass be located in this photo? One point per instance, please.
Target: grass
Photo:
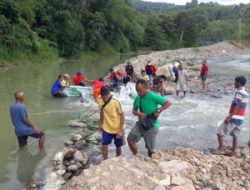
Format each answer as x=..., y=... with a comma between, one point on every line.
x=44, y=53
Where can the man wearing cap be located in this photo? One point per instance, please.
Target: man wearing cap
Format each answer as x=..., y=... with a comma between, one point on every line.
x=24, y=128
x=79, y=78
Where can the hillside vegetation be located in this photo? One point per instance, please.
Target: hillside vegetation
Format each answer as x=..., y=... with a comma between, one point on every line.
x=44, y=29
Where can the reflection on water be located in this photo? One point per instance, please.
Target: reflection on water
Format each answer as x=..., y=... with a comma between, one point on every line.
x=27, y=159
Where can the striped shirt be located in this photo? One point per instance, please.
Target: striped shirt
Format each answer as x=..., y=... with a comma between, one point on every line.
x=240, y=100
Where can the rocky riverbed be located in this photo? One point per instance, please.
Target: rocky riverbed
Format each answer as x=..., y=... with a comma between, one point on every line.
x=177, y=169
x=191, y=58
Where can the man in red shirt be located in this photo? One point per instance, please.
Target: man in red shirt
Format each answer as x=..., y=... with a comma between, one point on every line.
x=204, y=73
x=150, y=69
x=79, y=78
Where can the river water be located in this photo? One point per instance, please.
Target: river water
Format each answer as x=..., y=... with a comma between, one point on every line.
x=190, y=122
x=48, y=113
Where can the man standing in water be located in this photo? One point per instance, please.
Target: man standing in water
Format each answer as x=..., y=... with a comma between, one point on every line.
x=111, y=122
x=204, y=73
x=146, y=108
x=181, y=84
x=24, y=128
x=235, y=119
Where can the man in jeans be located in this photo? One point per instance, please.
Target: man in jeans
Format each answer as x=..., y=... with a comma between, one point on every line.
x=234, y=120
x=145, y=106
x=111, y=122
x=24, y=128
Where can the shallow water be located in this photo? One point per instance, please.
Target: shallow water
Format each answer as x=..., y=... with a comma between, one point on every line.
x=190, y=122
x=49, y=114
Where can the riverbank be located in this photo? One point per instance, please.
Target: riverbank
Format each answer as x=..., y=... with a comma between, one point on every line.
x=219, y=83
x=177, y=169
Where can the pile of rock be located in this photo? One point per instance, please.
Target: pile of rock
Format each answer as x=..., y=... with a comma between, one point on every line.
x=177, y=169
x=71, y=160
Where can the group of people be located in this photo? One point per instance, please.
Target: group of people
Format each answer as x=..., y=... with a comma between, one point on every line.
x=148, y=105
x=62, y=82
x=157, y=82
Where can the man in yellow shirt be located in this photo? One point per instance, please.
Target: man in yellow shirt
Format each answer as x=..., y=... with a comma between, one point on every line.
x=111, y=122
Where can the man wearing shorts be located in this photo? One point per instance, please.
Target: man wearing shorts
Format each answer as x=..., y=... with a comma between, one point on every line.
x=204, y=74
x=146, y=104
x=111, y=122
x=24, y=128
x=234, y=120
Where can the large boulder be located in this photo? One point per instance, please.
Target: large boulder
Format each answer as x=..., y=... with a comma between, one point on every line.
x=174, y=167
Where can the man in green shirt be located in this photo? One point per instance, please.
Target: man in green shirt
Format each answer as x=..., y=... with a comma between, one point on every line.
x=146, y=107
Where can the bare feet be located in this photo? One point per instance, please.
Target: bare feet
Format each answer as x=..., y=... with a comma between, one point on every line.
x=220, y=151
x=232, y=154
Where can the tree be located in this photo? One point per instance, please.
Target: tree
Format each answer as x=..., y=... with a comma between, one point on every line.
x=154, y=34
x=189, y=25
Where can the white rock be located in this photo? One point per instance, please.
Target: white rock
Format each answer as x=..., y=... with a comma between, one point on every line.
x=78, y=156
x=174, y=167
x=61, y=171
x=178, y=180
x=68, y=143
x=93, y=180
x=159, y=187
x=76, y=137
x=72, y=168
x=184, y=187
x=58, y=157
x=165, y=182
x=118, y=187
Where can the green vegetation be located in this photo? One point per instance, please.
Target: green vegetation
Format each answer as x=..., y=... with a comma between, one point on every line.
x=41, y=30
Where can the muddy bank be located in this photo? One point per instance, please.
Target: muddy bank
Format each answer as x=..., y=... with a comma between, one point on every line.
x=177, y=169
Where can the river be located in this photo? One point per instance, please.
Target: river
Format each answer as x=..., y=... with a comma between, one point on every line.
x=190, y=122
x=48, y=113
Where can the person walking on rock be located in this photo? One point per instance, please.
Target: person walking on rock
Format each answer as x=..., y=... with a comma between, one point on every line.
x=146, y=108
x=204, y=74
x=150, y=70
x=24, y=128
x=232, y=123
x=181, y=84
x=111, y=122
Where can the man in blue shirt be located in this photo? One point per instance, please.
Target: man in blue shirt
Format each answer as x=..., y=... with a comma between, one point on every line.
x=23, y=126
x=57, y=87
